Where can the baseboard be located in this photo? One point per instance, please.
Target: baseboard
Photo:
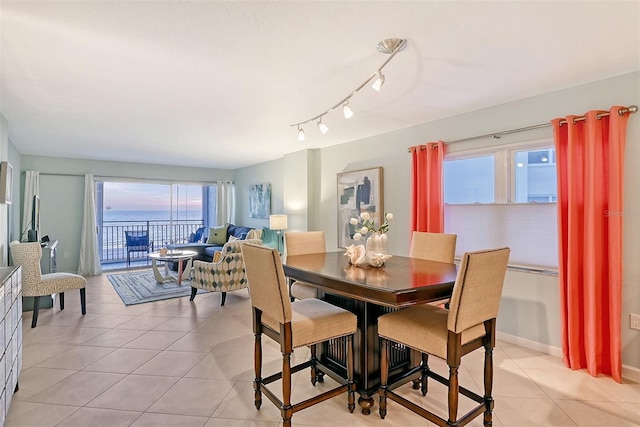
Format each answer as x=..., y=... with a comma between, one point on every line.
x=628, y=372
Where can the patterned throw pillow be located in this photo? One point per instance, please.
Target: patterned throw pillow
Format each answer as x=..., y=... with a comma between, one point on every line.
x=218, y=235
x=233, y=238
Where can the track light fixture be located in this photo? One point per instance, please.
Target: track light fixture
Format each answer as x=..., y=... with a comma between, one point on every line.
x=389, y=46
x=346, y=110
x=323, y=128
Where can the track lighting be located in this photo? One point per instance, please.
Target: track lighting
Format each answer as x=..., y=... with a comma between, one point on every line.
x=389, y=46
x=377, y=85
x=323, y=128
x=347, y=111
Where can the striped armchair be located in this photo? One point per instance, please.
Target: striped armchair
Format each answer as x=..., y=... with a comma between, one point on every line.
x=225, y=273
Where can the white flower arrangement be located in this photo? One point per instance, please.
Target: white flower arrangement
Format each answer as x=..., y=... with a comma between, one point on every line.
x=366, y=224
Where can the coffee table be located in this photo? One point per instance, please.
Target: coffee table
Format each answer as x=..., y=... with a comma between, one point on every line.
x=171, y=256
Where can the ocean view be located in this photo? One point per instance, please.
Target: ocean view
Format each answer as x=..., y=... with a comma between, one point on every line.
x=151, y=215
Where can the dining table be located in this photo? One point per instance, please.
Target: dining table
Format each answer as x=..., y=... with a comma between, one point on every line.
x=370, y=292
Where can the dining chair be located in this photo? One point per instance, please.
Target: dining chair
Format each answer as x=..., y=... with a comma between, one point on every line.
x=308, y=322
x=35, y=284
x=469, y=323
x=439, y=247
x=302, y=243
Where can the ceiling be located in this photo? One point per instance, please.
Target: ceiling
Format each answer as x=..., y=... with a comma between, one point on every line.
x=218, y=83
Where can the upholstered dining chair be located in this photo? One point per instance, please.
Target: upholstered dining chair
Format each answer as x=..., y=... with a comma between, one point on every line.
x=439, y=247
x=226, y=273
x=468, y=324
x=303, y=323
x=35, y=284
x=301, y=243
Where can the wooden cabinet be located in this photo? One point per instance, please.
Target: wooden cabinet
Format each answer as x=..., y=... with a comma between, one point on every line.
x=10, y=335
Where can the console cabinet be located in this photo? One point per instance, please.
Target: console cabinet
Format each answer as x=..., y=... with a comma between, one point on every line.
x=10, y=335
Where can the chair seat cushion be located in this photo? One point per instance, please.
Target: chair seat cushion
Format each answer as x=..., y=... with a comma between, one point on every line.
x=303, y=290
x=53, y=283
x=424, y=328
x=314, y=321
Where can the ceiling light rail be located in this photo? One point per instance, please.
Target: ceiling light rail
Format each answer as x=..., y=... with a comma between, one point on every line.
x=632, y=109
x=389, y=46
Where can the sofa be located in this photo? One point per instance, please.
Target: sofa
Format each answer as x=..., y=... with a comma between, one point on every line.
x=211, y=242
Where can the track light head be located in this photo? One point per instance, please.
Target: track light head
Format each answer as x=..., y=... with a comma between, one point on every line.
x=347, y=111
x=300, y=134
x=377, y=85
x=323, y=128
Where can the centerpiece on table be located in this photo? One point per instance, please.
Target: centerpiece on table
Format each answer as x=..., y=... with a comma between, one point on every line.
x=374, y=252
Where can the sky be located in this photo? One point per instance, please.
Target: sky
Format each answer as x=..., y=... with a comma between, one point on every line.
x=143, y=196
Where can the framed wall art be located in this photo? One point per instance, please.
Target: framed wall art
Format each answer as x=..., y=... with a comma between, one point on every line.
x=260, y=200
x=358, y=191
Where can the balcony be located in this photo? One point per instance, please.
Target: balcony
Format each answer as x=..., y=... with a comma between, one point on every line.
x=111, y=240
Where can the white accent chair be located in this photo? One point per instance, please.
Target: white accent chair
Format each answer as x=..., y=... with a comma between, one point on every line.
x=35, y=284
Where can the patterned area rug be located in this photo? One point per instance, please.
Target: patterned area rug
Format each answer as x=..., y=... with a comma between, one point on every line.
x=140, y=287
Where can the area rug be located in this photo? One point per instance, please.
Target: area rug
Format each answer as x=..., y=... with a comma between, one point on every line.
x=140, y=287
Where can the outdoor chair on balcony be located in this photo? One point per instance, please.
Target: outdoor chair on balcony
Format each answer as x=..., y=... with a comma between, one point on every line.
x=137, y=241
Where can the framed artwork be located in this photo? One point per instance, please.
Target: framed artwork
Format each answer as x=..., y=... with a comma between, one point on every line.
x=6, y=182
x=358, y=191
x=260, y=200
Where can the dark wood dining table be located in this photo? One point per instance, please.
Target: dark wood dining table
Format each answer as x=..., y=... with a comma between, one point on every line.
x=369, y=293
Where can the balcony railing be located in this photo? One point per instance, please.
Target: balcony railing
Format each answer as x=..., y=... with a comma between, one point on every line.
x=112, y=241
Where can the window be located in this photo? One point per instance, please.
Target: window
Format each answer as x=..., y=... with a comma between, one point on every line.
x=503, y=196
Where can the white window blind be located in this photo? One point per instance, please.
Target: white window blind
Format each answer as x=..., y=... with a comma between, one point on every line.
x=529, y=229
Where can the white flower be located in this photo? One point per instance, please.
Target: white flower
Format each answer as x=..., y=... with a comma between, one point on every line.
x=357, y=236
x=365, y=216
x=364, y=230
x=389, y=216
x=353, y=221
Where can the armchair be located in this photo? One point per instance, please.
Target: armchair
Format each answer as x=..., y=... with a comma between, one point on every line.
x=137, y=241
x=35, y=284
x=225, y=273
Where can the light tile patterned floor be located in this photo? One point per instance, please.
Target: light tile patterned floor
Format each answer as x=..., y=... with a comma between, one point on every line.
x=178, y=363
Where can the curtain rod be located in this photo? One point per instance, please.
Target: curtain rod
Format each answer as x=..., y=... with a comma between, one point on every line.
x=632, y=109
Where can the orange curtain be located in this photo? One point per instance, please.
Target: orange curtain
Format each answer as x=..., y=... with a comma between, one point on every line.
x=427, y=193
x=590, y=163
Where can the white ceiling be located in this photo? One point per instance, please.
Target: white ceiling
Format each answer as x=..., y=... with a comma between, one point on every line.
x=218, y=83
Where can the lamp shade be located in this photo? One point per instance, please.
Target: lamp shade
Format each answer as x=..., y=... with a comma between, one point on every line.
x=278, y=222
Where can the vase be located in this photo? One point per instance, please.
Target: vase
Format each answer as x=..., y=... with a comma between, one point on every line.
x=377, y=243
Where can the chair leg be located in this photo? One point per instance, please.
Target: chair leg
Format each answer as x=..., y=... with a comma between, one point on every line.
x=83, y=301
x=351, y=399
x=425, y=374
x=286, y=410
x=36, y=307
x=61, y=298
x=128, y=259
x=224, y=298
x=314, y=361
x=454, y=388
x=384, y=376
x=488, y=386
x=257, y=365
x=194, y=291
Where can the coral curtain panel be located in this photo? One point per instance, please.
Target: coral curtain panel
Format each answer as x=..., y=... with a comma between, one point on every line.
x=590, y=163
x=427, y=192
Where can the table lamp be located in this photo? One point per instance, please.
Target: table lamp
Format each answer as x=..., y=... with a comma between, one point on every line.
x=278, y=223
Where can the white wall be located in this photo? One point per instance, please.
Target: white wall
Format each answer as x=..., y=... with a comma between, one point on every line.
x=530, y=307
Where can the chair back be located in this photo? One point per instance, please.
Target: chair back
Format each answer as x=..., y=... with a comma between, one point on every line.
x=304, y=242
x=433, y=246
x=476, y=293
x=27, y=255
x=267, y=285
x=137, y=239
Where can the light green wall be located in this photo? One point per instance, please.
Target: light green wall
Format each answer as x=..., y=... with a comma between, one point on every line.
x=530, y=308
x=271, y=172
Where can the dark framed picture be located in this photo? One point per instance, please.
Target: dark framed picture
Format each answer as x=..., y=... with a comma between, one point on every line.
x=358, y=191
x=6, y=182
x=260, y=200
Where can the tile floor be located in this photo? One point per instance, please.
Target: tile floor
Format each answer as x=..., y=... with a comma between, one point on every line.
x=176, y=363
